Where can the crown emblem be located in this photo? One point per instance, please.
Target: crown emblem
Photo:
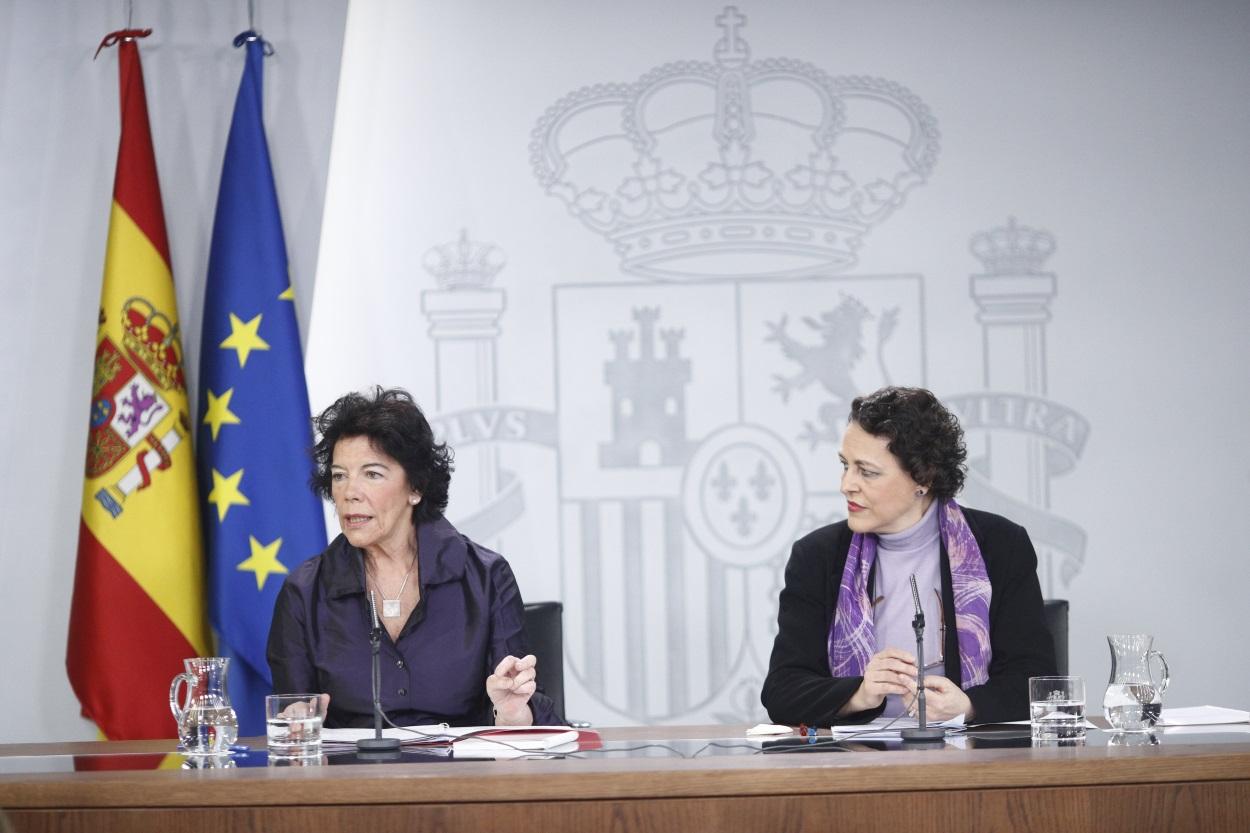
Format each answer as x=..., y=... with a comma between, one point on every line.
x=464, y=264
x=734, y=167
x=1013, y=249
x=151, y=338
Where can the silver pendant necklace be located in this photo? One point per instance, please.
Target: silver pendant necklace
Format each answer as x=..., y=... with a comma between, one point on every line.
x=390, y=607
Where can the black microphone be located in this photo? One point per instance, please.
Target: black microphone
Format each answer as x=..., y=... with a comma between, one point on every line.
x=923, y=732
x=377, y=743
x=377, y=625
x=915, y=598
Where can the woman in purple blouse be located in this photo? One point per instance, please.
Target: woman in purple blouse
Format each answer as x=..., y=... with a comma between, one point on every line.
x=451, y=609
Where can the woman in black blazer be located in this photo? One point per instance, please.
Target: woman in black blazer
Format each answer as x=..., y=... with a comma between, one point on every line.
x=844, y=652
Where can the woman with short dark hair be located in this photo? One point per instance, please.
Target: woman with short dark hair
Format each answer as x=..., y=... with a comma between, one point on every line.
x=450, y=607
x=844, y=651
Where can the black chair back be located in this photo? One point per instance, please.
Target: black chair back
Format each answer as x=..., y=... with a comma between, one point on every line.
x=1055, y=611
x=544, y=628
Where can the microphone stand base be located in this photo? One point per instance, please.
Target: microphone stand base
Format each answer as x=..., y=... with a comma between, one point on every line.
x=377, y=745
x=930, y=734
x=388, y=756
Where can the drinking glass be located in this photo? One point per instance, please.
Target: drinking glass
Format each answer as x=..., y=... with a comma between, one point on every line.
x=1057, y=708
x=293, y=723
x=295, y=760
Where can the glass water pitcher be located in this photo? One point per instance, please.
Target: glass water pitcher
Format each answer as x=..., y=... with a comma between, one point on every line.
x=1134, y=698
x=207, y=724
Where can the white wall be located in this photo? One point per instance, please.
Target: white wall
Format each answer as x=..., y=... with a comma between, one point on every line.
x=58, y=147
x=1118, y=127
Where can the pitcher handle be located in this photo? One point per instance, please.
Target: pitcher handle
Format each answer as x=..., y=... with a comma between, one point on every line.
x=189, y=679
x=1163, y=683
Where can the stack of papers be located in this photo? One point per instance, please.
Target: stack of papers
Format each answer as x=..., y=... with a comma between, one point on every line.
x=885, y=728
x=465, y=741
x=336, y=740
x=515, y=742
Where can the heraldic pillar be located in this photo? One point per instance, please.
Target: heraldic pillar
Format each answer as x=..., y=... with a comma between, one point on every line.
x=1013, y=305
x=464, y=315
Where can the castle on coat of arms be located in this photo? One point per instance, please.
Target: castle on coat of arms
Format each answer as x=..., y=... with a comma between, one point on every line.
x=648, y=397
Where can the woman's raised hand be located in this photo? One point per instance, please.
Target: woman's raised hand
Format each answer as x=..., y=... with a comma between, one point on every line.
x=510, y=689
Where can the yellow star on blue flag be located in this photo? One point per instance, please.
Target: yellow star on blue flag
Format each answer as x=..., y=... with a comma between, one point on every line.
x=263, y=561
x=217, y=411
x=244, y=337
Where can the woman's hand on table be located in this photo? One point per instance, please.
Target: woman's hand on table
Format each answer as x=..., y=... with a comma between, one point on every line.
x=943, y=699
x=892, y=671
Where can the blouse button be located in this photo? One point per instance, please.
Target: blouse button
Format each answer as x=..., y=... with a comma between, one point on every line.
x=403, y=692
x=399, y=663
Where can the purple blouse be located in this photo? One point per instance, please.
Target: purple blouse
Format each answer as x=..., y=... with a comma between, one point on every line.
x=469, y=617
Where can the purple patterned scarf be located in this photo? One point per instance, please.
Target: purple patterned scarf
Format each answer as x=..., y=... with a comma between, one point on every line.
x=851, y=639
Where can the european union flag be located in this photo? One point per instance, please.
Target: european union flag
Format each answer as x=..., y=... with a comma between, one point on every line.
x=261, y=519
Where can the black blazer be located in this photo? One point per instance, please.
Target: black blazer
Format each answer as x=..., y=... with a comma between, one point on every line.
x=800, y=688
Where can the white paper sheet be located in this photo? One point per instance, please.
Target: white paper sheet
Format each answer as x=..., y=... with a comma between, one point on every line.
x=1202, y=716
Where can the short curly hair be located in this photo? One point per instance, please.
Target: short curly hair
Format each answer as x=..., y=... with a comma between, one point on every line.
x=923, y=435
x=391, y=420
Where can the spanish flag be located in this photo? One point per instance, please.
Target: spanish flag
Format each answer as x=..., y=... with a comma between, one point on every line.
x=138, y=605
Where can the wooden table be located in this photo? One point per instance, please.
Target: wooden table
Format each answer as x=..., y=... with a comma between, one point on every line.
x=1188, y=783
